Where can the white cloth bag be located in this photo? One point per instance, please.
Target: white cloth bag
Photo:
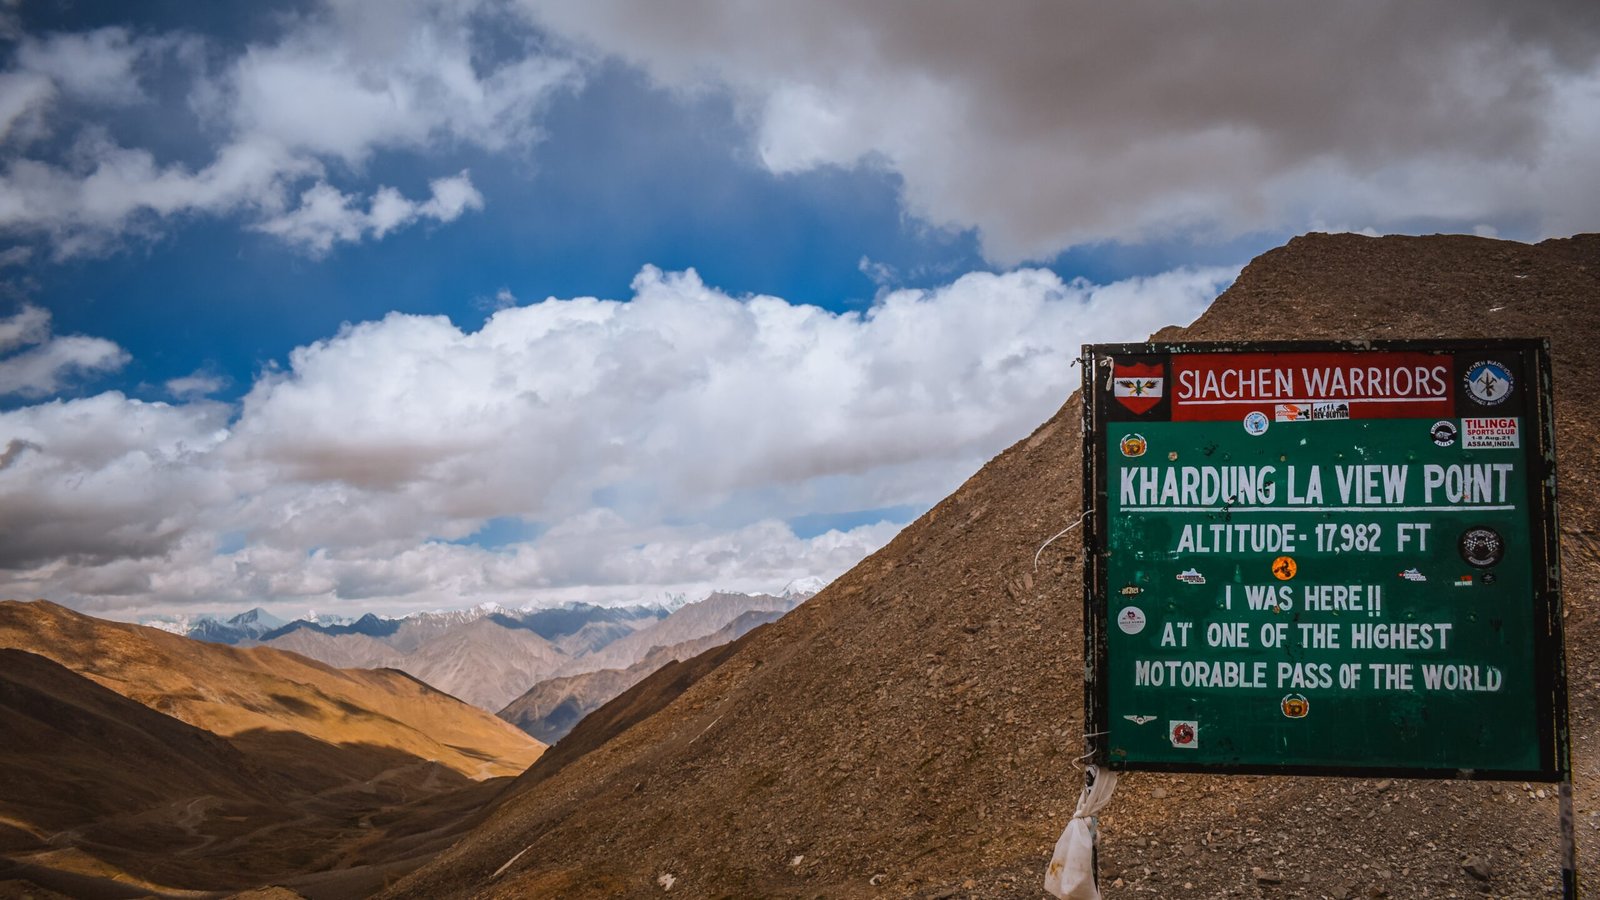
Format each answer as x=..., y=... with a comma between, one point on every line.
x=1071, y=872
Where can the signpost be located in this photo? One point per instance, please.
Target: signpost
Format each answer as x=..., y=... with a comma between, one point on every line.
x=1323, y=558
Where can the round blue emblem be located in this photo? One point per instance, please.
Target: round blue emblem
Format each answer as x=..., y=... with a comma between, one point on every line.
x=1488, y=382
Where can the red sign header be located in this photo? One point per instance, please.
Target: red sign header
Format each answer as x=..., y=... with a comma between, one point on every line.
x=1365, y=385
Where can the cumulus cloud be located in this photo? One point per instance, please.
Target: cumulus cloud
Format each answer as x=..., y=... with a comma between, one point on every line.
x=49, y=363
x=670, y=395
x=657, y=443
x=341, y=82
x=107, y=478
x=1048, y=124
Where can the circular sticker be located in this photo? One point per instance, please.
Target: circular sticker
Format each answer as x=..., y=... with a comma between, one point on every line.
x=1284, y=567
x=1443, y=432
x=1488, y=382
x=1185, y=734
x=1131, y=620
x=1133, y=445
x=1482, y=546
x=1256, y=423
x=1295, y=706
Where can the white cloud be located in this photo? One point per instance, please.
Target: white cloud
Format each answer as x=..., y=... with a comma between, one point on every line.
x=342, y=82
x=326, y=216
x=657, y=443
x=108, y=479
x=84, y=211
x=667, y=400
x=22, y=94
x=46, y=368
x=196, y=385
x=370, y=75
x=30, y=325
x=97, y=65
x=15, y=256
x=1047, y=125
x=1043, y=125
x=49, y=363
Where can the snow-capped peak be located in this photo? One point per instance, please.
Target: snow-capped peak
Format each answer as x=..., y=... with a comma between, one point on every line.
x=674, y=602
x=177, y=625
x=803, y=587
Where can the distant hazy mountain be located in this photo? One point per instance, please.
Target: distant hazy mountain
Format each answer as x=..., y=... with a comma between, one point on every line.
x=565, y=621
x=347, y=651
x=690, y=621
x=245, y=626
x=551, y=708
x=484, y=662
x=370, y=625
x=490, y=655
x=408, y=633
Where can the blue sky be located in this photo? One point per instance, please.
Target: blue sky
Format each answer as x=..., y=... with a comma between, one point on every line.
x=837, y=257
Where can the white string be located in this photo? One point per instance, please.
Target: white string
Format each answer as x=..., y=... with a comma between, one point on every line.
x=1090, y=745
x=1059, y=534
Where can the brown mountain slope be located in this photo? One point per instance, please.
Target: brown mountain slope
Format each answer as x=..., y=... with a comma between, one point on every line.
x=268, y=700
x=915, y=724
x=650, y=696
x=61, y=735
x=83, y=766
x=344, y=778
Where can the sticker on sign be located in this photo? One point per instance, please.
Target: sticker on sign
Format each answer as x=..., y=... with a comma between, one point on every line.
x=1317, y=410
x=1490, y=434
x=1185, y=733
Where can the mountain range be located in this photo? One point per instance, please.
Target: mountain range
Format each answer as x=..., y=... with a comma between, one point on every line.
x=489, y=655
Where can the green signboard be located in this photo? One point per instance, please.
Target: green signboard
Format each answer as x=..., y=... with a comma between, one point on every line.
x=1323, y=558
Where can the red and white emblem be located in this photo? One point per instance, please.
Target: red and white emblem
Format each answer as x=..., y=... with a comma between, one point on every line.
x=1138, y=386
x=1185, y=733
